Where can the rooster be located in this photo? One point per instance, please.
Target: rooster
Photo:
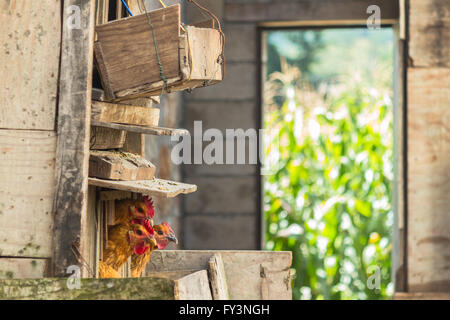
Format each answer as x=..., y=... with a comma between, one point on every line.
x=163, y=235
x=124, y=240
x=129, y=209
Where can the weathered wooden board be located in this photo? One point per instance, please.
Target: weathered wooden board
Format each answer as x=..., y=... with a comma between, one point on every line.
x=428, y=179
x=429, y=31
x=106, y=138
x=194, y=286
x=123, y=69
x=155, y=187
x=160, y=286
x=120, y=166
x=27, y=174
x=23, y=268
x=29, y=63
x=89, y=289
x=206, y=50
x=242, y=268
x=218, y=278
x=307, y=10
x=71, y=225
x=124, y=114
x=422, y=296
x=157, y=131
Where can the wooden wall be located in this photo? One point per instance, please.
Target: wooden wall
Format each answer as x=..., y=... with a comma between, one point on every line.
x=29, y=68
x=428, y=112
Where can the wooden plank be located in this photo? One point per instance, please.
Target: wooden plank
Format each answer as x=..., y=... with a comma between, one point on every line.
x=210, y=23
x=102, y=138
x=157, y=131
x=27, y=174
x=218, y=278
x=430, y=18
x=23, y=268
x=422, y=296
x=124, y=114
x=72, y=156
x=238, y=11
x=155, y=187
x=135, y=143
x=242, y=268
x=125, y=166
x=29, y=63
x=428, y=179
x=90, y=289
x=206, y=50
x=193, y=286
x=128, y=69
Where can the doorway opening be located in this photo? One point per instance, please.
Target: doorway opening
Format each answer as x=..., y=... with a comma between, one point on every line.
x=328, y=94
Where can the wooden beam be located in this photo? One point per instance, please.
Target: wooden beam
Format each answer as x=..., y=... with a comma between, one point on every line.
x=125, y=114
x=125, y=166
x=72, y=155
x=157, y=131
x=422, y=296
x=308, y=10
x=155, y=187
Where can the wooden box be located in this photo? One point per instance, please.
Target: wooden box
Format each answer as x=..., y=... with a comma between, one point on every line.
x=128, y=63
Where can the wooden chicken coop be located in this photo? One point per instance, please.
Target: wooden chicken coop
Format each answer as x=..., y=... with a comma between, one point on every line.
x=79, y=93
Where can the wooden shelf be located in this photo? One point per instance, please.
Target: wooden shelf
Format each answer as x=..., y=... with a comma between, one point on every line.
x=155, y=187
x=157, y=131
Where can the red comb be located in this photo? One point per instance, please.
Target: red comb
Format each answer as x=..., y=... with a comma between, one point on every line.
x=167, y=225
x=148, y=227
x=146, y=224
x=149, y=204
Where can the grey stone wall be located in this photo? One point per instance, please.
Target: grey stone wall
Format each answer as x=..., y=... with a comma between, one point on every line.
x=224, y=212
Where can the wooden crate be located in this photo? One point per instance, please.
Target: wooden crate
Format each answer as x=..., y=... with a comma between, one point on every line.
x=127, y=59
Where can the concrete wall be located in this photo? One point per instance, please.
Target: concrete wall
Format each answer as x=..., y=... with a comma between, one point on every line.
x=224, y=212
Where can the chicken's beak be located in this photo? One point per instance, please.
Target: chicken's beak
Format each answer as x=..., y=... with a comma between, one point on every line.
x=173, y=238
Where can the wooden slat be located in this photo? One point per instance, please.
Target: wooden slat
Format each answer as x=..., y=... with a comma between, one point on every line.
x=242, y=268
x=218, y=278
x=102, y=138
x=206, y=49
x=422, y=296
x=124, y=114
x=157, y=131
x=428, y=179
x=155, y=187
x=72, y=157
x=120, y=166
x=29, y=55
x=27, y=174
x=430, y=18
x=238, y=11
x=129, y=69
x=194, y=286
x=23, y=268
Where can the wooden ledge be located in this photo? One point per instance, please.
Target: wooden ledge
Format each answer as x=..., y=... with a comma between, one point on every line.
x=155, y=187
x=157, y=131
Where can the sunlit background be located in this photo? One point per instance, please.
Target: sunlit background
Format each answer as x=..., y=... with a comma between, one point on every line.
x=328, y=93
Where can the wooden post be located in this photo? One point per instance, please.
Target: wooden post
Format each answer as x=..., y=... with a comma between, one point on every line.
x=73, y=127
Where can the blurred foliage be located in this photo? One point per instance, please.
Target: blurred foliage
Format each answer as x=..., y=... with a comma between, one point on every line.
x=328, y=199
